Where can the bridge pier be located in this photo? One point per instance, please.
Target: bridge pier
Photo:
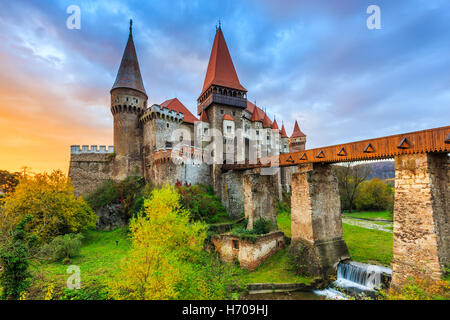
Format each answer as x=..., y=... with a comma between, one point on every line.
x=421, y=216
x=316, y=245
x=260, y=197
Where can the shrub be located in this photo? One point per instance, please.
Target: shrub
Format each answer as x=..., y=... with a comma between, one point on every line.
x=15, y=277
x=50, y=199
x=128, y=192
x=420, y=289
x=285, y=204
x=375, y=195
x=62, y=247
x=202, y=204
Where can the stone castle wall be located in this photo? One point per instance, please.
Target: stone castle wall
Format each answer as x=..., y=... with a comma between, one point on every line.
x=90, y=167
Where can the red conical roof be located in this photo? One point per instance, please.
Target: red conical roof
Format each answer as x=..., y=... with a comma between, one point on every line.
x=175, y=105
x=204, y=116
x=275, y=125
x=129, y=74
x=297, y=132
x=266, y=121
x=283, y=132
x=221, y=70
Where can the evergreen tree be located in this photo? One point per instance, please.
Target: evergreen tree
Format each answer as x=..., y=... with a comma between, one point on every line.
x=15, y=277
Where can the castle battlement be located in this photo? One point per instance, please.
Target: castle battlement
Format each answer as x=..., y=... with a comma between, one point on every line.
x=75, y=149
x=161, y=112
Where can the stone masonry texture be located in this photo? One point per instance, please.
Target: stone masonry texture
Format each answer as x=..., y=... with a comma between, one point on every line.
x=421, y=216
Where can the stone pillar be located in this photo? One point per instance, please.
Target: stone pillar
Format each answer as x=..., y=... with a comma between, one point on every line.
x=421, y=216
x=260, y=197
x=316, y=245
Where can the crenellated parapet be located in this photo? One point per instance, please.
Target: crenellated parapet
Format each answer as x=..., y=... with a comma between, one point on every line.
x=76, y=149
x=158, y=112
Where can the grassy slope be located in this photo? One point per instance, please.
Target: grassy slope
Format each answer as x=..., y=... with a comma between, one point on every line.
x=365, y=245
x=377, y=215
x=276, y=269
x=99, y=260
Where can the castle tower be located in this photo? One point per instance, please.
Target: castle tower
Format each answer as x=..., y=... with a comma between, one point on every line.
x=128, y=102
x=222, y=97
x=298, y=139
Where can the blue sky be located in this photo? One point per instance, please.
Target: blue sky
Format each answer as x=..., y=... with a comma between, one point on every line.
x=314, y=61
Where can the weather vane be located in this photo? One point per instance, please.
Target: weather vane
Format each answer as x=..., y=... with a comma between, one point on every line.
x=131, y=24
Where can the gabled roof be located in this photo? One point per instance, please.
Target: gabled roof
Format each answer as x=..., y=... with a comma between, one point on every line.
x=204, y=116
x=129, y=74
x=176, y=105
x=228, y=117
x=297, y=132
x=283, y=132
x=275, y=125
x=221, y=70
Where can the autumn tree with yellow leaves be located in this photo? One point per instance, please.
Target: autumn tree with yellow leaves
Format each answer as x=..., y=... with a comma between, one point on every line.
x=49, y=198
x=167, y=260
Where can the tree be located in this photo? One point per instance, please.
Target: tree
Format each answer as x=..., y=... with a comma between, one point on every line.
x=374, y=195
x=50, y=199
x=15, y=277
x=349, y=178
x=8, y=181
x=167, y=260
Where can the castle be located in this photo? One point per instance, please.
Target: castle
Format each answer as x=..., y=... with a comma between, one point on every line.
x=166, y=142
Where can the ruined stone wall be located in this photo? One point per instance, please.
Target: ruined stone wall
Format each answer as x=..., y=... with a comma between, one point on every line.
x=250, y=255
x=88, y=171
x=421, y=216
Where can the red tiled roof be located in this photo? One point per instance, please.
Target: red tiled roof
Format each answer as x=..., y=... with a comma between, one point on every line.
x=297, y=132
x=204, y=116
x=221, y=70
x=275, y=125
x=228, y=117
x=176, y=105
x=250, y=107
x=283, y=132
x=266, y=121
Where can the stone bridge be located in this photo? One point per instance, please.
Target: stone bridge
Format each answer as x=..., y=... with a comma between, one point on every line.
x=421, y=210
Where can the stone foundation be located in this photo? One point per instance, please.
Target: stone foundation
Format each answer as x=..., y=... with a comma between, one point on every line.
x=250, y=255
x=421, y=216
x=316, y=243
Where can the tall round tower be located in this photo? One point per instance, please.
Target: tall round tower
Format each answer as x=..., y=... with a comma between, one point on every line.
x=128, y=102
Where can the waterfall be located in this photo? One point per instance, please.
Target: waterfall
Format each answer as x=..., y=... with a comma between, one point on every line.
x=356, y=278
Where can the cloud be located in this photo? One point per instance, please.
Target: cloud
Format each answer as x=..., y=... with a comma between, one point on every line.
x=314, y=61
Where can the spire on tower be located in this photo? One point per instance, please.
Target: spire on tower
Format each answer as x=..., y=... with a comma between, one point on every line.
x=297, y=132
x=221, y=70
x=129, y=74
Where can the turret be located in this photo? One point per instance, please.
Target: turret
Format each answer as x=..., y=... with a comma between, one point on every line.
x=298, y=139
x=128, y=102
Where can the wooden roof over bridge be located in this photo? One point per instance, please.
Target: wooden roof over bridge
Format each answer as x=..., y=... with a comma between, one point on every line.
x=431, y=140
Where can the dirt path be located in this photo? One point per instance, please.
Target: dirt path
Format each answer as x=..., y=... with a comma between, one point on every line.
x=375, y=225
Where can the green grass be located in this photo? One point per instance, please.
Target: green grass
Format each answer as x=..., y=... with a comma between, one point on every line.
x=276, y=269
x=284, y=223
x=99, y=261
x=366, y=245
x=370, y=215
